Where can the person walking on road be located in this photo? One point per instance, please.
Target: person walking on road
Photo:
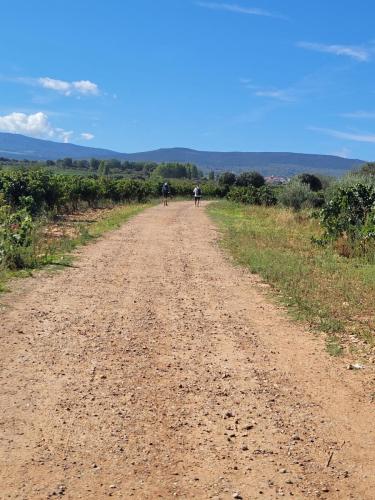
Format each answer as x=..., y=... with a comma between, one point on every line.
x=197, y=195
x=165, y=191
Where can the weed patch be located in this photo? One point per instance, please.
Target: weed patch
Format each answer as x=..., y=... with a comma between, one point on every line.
x=333, y=346
x=333, y=293
x=47, y=249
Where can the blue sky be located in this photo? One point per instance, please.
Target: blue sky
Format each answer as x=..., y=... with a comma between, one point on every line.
x=246, y=75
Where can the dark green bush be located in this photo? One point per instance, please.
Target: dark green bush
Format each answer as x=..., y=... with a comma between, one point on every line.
x=350, y=211
x=227, y=179
x=252, y=195
x=314, y=183
x=34, y=189
x=248, y=179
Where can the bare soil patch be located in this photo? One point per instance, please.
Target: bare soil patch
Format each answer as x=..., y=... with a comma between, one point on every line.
x=68, y=226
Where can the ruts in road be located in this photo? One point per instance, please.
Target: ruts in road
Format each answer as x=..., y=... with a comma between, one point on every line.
x=155, y=368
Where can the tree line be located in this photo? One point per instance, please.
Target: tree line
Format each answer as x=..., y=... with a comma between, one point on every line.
x=115, y=167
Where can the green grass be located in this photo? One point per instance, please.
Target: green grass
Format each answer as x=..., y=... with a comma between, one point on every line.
x=58, y=253
x=334, y=294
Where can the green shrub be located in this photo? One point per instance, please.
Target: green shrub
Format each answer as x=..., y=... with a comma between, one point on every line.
x=311, y=180
x=34, y=189
x=298, y=195
x=227, y=179
x=247, y=179
x=16, y=232
x=267, y=196
x=252, y=195
x=350, y=211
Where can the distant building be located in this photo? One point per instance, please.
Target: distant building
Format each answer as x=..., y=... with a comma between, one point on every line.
x=275, y=180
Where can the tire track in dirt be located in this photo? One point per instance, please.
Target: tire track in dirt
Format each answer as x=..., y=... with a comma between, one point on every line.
x=156, y=369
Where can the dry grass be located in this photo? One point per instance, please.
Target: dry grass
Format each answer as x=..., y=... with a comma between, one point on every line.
x=333, y=293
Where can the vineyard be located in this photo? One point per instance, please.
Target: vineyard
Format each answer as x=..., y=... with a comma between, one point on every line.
x=28, y=198
x=31, y=196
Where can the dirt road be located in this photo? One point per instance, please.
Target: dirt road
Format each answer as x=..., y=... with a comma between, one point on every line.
x=156, y=369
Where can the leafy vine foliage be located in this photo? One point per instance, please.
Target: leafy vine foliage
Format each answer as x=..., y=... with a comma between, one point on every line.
x=350, y=214
x=26, y=195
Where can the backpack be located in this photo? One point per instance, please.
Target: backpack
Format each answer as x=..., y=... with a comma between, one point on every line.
x=199, y=191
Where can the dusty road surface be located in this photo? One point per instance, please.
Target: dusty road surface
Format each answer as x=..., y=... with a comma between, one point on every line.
x=156, y=369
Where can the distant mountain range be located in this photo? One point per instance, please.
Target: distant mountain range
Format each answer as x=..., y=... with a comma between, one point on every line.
x=20, y=147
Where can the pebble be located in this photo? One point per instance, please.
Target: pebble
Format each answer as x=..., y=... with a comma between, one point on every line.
x=355, y=366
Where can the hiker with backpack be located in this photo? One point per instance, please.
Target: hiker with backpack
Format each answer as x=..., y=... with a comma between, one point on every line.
x=165, y=191
x=197, y=195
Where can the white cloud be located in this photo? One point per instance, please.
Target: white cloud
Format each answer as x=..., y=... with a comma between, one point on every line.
x=84, y=87
x=358, y=53
x=87, y=136
x=281, y=95
x=350, y=136
x=63, y=135
x=59, y=85
x=343, y=153
x=255, y=11
x=359, y=114
x=34, y=125
x=286, y=95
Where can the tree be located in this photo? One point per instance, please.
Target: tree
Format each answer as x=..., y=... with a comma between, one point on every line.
x=103, y=169
x=114, y=164
x=192, y=171
x=311, y=180
x=211, y=175
x=67, y=163
x=94, y=164
x=247, y=179
x=227, y=179
x=174, y=171
x=82, y=164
